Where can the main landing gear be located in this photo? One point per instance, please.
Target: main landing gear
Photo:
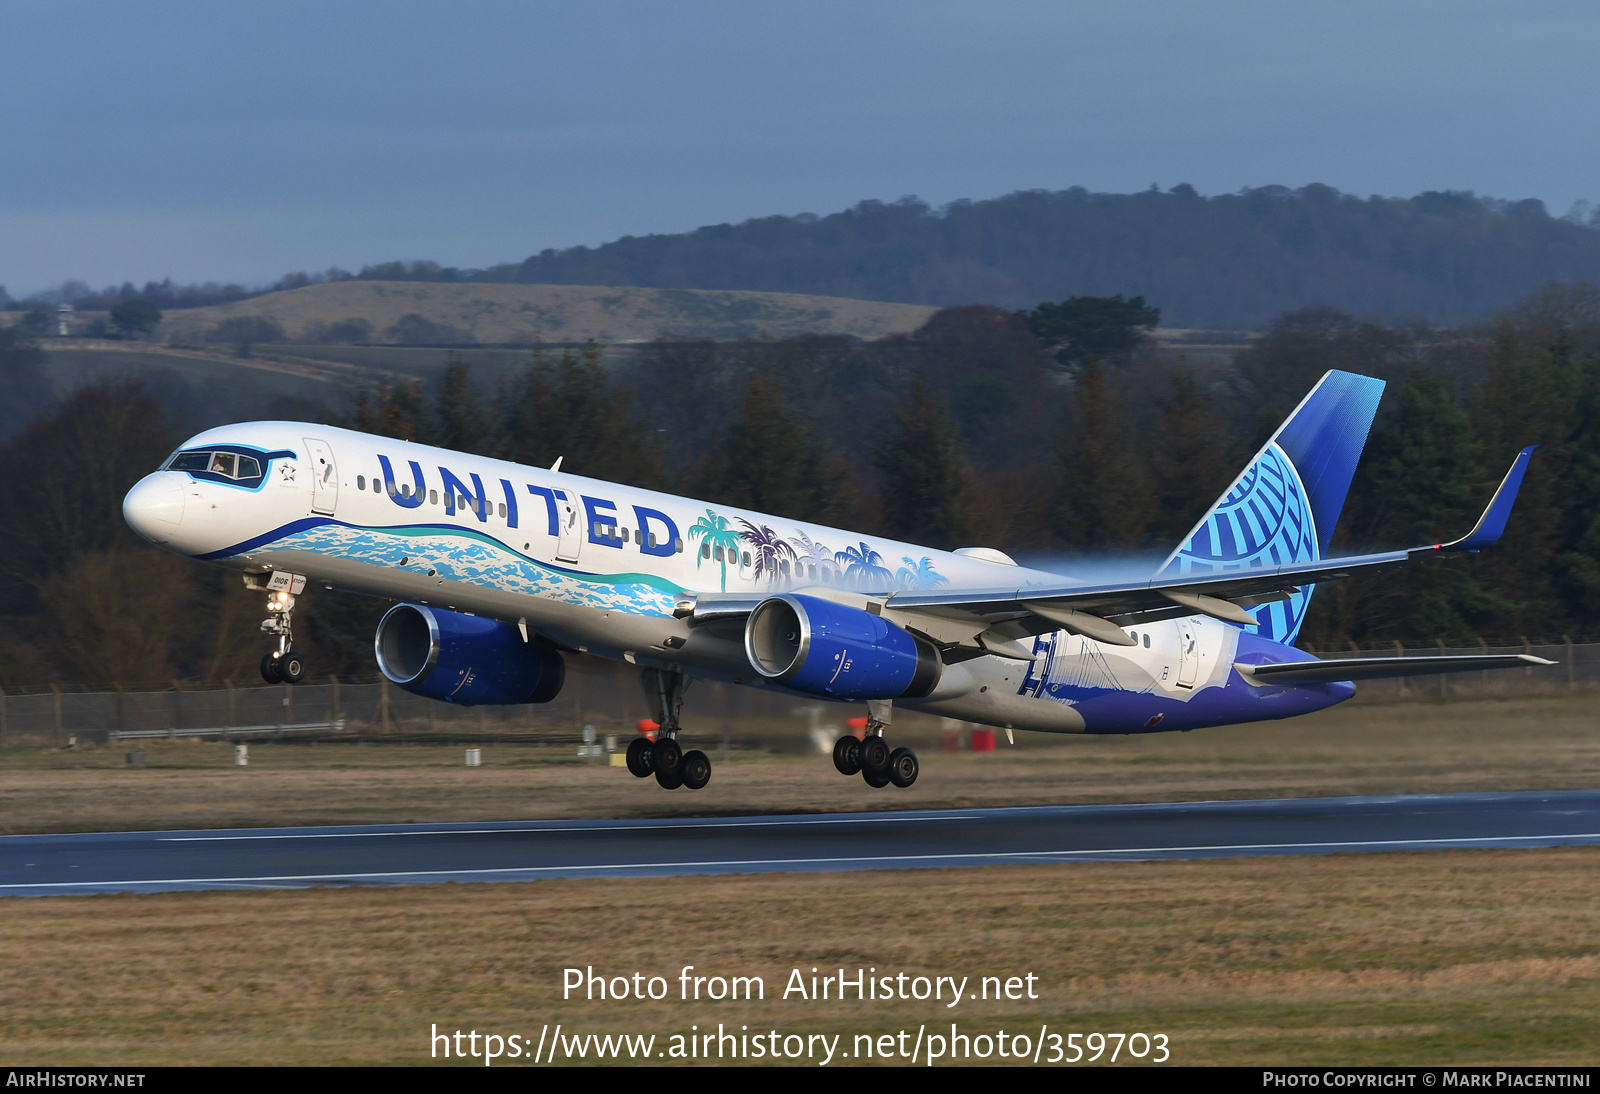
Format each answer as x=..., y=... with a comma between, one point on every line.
x=871, y=757
x=664, y=757
x=282, y=665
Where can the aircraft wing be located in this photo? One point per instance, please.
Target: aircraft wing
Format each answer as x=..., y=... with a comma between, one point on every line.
x=1378, y=668
x=1101, y=611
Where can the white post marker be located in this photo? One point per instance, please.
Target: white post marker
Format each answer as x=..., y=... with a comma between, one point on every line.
x=474, y=757
x=241, y=755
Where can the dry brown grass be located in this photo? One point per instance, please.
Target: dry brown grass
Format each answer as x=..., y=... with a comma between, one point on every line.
x=1510, y=744
x=1441, y=957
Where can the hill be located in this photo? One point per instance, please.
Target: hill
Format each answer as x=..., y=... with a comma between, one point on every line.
x=413, y=312
x=1231, y=261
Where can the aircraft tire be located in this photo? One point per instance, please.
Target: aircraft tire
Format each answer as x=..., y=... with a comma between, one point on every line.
x=667, y=756
x=670, y=780
x=291, y=669
x=876, y=780
x=847, y=755
x=903, y=767
x=639, y=757
x=269, y=669
x=696, y=769
x=875, y=755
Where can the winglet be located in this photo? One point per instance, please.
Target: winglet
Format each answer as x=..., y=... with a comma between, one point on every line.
x=1493, y=522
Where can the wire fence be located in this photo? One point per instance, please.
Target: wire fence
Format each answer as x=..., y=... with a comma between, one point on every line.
x=596, y=694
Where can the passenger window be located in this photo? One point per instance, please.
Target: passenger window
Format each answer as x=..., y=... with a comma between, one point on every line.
x=716, y=553
x=677, y=545
x=783, y=568
x=249, y=467
x=361, y=482
x=1147, y=641
x=746, y=558
x=625, y=535
x=705, y=550
x=377, y=487
x=502, y=510
x=652, y=539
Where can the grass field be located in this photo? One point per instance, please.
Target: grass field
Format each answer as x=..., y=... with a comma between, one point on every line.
x=1406, y=748
x=1460, y=957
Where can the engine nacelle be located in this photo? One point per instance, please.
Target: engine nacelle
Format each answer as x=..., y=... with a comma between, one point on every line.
x=827, y=649
x=465, y=659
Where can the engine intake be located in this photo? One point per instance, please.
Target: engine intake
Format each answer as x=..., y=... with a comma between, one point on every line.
x=464, y=659
x=827, y=649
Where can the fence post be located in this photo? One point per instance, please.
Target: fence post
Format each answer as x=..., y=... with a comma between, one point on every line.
x=333, y=678
x=1405, y=681
x=233, y=712
x=1527, y=648
x=177, y=709
x=59, y=734
x=2, y=717
x=1572, y=682
x=122, y=713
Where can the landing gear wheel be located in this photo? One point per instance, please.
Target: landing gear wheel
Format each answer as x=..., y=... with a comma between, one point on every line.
x=291, y=669
x=666, y=760
x=847, y=755
x=696, y=769
x=639, y=757
x=903, y=767
x=875, y=755
x=876, y=780
x=269, y=669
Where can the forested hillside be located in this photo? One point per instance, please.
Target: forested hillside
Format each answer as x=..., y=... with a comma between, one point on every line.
x=971, y=430
x=1231, y=261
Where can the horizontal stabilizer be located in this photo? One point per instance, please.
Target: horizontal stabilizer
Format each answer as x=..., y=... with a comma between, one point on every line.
x=1379, y=668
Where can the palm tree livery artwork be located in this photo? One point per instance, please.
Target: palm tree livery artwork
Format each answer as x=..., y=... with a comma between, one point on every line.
x=722, y=539
x=919, y=575
x=864, y=568
x=772, y=556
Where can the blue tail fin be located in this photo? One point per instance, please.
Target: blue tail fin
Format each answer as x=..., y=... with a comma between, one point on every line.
x=1283, y=506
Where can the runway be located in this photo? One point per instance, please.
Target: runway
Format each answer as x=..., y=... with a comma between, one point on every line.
x=98, y=862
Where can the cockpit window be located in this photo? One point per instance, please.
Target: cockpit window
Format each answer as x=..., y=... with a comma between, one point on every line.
x=190, y=461
x=222, y=465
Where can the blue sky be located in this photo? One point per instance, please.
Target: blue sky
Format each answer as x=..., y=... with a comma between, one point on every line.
x=215, y=141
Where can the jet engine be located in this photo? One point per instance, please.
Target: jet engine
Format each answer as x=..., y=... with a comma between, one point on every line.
x=465, y=659
x=838, y=652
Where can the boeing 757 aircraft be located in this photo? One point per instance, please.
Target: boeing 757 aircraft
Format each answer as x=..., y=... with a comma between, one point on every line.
x=498, y=571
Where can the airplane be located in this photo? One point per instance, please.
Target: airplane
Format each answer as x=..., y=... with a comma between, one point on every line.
x=499, y=571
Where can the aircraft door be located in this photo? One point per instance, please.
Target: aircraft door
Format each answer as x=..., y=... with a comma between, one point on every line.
x=571, y=539
x=324, y=477
x=1188, y=653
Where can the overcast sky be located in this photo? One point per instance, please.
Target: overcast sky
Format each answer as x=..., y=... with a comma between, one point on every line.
x=237, y=142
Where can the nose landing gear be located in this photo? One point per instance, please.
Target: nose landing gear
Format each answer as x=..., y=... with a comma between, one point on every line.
x=664, y=757
x=282, y=665
x=871, y=757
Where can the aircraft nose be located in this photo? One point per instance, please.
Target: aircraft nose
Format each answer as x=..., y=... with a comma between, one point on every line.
x=154, y=507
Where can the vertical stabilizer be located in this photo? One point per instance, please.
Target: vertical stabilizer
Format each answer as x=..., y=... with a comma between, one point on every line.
x=1283, y=506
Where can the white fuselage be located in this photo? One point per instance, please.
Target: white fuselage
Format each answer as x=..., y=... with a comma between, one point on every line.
x=598, y=567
